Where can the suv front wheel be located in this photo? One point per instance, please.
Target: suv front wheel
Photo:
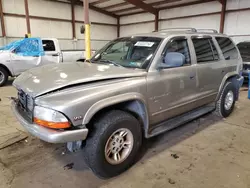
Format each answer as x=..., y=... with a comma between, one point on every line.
x=226, y=102
x=113, y=143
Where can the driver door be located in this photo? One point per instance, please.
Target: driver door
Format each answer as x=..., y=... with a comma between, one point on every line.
x=26, y=56
x=172, y=90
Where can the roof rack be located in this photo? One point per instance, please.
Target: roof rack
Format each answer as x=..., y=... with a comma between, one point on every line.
x=188, y=29
x=212, y=30
x=179, y=28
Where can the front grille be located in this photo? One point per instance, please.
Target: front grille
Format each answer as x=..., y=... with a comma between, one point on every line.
x=24, y=101
x=246, y=66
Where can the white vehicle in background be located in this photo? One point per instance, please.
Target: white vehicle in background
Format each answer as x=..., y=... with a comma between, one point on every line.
x=22, y=55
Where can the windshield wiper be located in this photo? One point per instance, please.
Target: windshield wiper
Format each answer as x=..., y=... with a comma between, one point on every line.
x=110, y=62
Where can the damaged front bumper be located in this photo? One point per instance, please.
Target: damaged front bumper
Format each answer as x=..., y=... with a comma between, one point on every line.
x=49, y=135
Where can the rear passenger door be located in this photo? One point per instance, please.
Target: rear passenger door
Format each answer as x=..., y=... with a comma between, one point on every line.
x=210, y=69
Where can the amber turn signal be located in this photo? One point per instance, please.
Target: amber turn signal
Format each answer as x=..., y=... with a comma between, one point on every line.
x=53, y=125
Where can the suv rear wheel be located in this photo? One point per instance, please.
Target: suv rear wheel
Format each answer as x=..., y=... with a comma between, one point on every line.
x=226, y=102
x=113, y=143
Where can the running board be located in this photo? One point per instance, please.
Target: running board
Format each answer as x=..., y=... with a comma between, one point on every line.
x=179, y=120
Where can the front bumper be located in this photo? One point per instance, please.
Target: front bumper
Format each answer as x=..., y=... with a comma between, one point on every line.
x=49, y=135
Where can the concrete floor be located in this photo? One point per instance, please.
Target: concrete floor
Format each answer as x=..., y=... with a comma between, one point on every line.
x=212, y=153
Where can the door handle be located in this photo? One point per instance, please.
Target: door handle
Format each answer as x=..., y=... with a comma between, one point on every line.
x=55, y=55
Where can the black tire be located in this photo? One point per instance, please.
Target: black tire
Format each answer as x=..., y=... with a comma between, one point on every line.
x=220, y=104
x=104, y=127
x=3, y=76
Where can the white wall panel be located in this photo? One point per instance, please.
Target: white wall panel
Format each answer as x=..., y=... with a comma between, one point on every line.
x=202, y=22
x=15, y=26
x=191, y=10
x=237, y=4
x=13, y=6
x=137, y=18
x=237, y=23
x=67, y=44
x=238, y=39
x=49, y=9
x=93, y=16
x=103, y=32
x=98, y=32
x=135, y=29
x=44, y=28
x=95, y=44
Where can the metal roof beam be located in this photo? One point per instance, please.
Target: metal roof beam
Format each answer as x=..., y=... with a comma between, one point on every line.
x=80, y=3
x=144, y=6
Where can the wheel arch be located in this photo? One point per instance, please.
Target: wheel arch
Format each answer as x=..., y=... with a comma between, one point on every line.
x=229, y=76
x=131, y=103
x=6, y=68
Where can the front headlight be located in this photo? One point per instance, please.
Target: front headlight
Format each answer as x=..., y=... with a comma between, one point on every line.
x=50, y=118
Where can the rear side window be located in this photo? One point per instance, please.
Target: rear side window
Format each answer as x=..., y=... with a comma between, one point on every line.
x=49, y=46
x=205, y=50
x=228, y=48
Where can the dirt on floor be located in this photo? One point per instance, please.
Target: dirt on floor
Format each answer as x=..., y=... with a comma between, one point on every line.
x=206, y=153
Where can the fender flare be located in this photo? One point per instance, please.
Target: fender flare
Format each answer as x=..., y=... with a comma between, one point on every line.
x=96, y=107
x=225, y=78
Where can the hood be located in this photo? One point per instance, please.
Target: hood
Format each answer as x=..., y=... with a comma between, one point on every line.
x=48, y=78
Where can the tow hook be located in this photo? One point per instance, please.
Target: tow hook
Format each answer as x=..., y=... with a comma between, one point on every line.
x=74, y=146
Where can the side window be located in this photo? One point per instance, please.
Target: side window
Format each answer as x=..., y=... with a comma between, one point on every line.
x=205, y=50
x=228, y=48
x=179, y=45
x=49, y=46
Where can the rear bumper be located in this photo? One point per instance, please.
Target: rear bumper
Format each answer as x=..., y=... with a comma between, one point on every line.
x=240, y=81
x=49, y=135
x=245, y=73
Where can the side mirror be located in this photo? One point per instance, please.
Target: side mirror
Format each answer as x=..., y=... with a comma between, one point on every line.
x=172, y=59
x=13, y=51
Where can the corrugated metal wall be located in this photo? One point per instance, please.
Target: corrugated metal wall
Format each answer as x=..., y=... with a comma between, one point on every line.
x=16, y=26
x=236, y=23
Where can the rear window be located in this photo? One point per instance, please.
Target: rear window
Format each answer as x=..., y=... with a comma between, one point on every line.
x=48, y=45
x=228, y=48
x=244, y=48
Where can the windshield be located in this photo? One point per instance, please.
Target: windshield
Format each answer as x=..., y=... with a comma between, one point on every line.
x=244, y=49
x=11, y=45
x=131, y=52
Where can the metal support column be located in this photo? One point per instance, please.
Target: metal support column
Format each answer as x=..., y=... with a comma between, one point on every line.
x=2, y=19
x=118, y=27
x=87, y=29
x=73, y=19
x=223, y=14
x=157, y=21
x=27, y=17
